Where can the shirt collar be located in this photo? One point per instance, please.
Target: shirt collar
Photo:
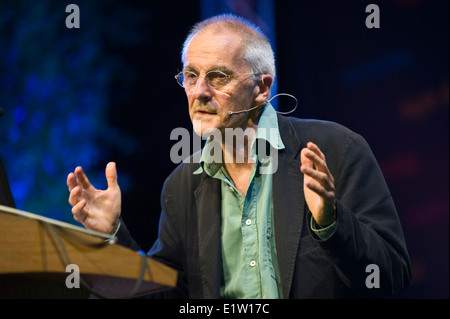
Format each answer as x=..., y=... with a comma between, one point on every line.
x=268, y=127
x=267, y=130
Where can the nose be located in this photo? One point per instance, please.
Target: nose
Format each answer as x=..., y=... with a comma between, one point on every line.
x=201, y=90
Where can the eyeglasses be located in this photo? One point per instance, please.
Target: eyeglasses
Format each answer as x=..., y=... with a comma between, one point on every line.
x=215, y=79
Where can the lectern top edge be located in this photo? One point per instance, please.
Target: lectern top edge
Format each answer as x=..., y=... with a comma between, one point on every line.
x=22, y=213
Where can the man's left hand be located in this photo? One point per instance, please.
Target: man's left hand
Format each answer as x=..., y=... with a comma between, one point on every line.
x=318, y=185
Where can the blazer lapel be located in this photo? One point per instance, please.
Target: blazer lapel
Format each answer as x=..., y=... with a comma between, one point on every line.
x=288, y=204
x=208, y=202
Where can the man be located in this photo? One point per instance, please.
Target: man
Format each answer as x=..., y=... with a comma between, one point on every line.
x=308, y=227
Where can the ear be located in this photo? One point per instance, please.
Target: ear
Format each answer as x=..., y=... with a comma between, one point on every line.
x=263, y=88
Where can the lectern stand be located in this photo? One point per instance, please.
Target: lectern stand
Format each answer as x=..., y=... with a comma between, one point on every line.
x=35, y=253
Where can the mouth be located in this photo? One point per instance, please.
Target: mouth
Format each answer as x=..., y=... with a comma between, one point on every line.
x=205, y=112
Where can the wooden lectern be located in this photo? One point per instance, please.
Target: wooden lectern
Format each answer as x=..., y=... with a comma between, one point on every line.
x=35, y=252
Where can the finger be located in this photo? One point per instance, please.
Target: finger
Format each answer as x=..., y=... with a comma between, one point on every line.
x=82, y=178
x=318, y=159
x=304, y=159
x=312, y=158
x=314, y=148
x=71, y=181
x=111, y=175
x=74, y=196
x=326, y=195
x=320, y=177
x=78, y=211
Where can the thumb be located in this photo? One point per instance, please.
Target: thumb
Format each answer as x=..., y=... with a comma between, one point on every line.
x=111, y=174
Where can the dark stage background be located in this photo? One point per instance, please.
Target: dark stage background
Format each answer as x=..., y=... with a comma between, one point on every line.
x=106, y=92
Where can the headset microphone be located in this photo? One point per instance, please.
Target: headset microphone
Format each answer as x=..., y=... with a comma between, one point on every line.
x=242, y=111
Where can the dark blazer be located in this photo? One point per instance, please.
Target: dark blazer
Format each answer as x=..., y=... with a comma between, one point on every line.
x=6, y=197
x=368, y=228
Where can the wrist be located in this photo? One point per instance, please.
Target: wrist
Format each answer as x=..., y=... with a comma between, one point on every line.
x=115, y=227
x=328, y=218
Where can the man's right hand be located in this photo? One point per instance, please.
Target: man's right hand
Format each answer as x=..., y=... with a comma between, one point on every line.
x=97, y=210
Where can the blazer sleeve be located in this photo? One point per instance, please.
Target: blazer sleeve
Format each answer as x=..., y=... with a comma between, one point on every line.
x=124, y=237
x=368, y=229
x=168, y=247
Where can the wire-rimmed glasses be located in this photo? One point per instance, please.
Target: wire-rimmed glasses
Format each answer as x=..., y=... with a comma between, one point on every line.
x=215, y=79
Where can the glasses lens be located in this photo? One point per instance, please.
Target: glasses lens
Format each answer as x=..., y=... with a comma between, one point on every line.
x=217, y=79
x=188, y=79
x=180, y=79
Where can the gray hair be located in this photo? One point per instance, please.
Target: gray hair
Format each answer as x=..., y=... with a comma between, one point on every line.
x=258, y=52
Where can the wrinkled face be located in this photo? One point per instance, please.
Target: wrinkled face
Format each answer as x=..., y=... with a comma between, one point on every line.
x=209, y=107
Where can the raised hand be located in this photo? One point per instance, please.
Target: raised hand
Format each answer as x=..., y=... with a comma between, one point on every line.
x=96, y=209
x=318, y=185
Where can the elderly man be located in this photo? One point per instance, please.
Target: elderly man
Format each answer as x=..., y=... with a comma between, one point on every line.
x=315, y=225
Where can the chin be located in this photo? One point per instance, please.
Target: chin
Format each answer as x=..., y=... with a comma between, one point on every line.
x=204, y=130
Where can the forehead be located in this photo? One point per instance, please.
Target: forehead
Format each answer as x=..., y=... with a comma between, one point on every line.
x=211, y=48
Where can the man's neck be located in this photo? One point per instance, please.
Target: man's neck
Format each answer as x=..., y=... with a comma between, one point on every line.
x=237, y=156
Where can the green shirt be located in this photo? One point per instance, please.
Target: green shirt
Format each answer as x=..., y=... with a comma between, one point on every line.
x=249, y=262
